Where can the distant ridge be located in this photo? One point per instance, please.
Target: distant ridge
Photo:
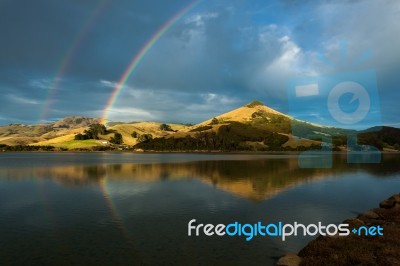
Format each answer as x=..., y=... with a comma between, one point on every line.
x=75, y=122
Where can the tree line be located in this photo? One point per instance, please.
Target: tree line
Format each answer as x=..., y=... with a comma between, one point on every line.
x=4, y=147
x=233, y=137
x=93, y=133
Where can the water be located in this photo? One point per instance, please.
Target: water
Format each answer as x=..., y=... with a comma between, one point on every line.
x=133, y=209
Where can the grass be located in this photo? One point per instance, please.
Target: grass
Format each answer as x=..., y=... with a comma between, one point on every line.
x=294, y=143
x=201, y=128
x=152, y=128
x=78, y=144
x=67, y=140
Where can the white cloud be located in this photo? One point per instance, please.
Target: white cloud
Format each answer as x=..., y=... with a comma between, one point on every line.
x=307, y=90
x=217, y=99
x=129, y=114
x=107, y=83
x=208, y=97
x=111, y=84
x=22, y=100
x=43, y=83
x=199, y=19
x=135, y=104
x=281, y=58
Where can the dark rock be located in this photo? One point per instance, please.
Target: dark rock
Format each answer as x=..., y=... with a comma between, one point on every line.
x=349, y=250
x=396, y=198
x=354, y=222
x=388, y=203
x=371, y=215
x=289, y=259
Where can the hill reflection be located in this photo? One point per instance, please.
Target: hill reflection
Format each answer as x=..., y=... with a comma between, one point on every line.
x=251, y=179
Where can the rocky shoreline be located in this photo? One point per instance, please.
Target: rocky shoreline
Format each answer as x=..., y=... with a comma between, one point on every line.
x=353, y=249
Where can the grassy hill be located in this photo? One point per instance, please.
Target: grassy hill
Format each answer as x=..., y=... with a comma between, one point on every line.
x=381, y=137
x=19, y=134
x=255, y=113
x=253, y=127
x=141, y=128
x=256, y=127
x=65, y=138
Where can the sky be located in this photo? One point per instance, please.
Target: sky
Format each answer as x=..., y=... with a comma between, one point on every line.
x=66, y=57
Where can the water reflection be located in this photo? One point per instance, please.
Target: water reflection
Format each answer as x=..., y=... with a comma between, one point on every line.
x=126, y=209
x=252, y=179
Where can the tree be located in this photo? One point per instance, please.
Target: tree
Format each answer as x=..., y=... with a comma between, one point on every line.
x=79, y=136
x=214, y=121
x=165, y=127
x=117, y=139
x=92, y=132
x=134, y=134
x=98, y=129
x=145, y=137
x=339, y=140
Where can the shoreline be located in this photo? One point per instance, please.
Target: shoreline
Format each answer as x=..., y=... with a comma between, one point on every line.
x=353, y=249
x=202, y=152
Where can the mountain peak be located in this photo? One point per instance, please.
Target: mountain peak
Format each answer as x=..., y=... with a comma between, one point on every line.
x=254, y=104
x=244, y=114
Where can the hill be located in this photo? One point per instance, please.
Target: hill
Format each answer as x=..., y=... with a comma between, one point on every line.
x=256, y=127
x=61, y=133
x=125, y=129
x=20, y=134
x=254, y=113
x=252, y=127
x=381, y=137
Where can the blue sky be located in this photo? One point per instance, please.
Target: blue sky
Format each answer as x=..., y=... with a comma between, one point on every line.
x=218, y=56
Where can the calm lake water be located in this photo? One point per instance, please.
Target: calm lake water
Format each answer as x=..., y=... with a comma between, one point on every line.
x=133, y=209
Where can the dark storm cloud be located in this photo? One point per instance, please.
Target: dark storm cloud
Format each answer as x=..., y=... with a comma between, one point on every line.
x=38, y=34
x=218, y=56
x=221, y=50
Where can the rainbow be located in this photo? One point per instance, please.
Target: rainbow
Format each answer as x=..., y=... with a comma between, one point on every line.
x=139, y=56
x=111, y=207
x=67, y=58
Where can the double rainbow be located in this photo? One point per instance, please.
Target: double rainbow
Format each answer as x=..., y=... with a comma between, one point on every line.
x=67, y=58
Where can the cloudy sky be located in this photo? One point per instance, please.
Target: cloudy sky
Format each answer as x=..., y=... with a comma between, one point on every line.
x=65, y=57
